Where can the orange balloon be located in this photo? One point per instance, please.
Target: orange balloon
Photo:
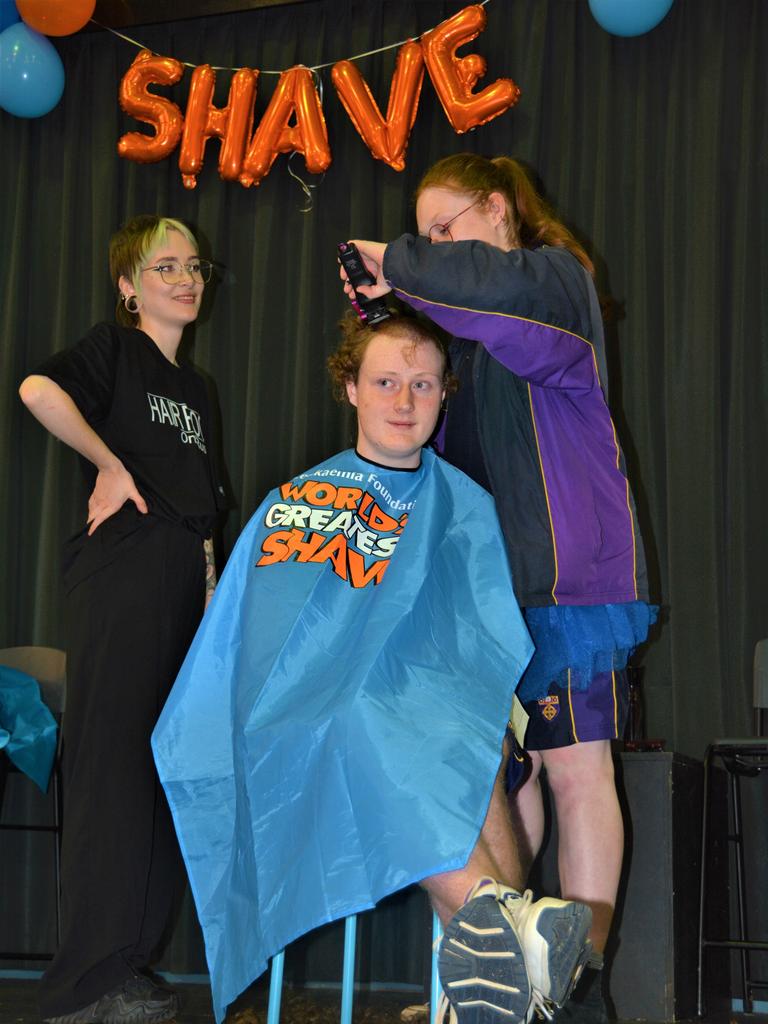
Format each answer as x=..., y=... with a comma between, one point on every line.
x=136, y=100
x=454, y=77
x=203, y=120
x=386, y=139
x=56, y=17
x=295, y=95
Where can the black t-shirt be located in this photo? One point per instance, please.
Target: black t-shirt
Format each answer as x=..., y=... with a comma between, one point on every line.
x=152, y=414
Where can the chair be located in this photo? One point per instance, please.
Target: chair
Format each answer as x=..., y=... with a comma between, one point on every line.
x=48, y=666
x=741, y=758
x=348, y=975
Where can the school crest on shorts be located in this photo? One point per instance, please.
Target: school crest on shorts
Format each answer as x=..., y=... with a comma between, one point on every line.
x=550, y=707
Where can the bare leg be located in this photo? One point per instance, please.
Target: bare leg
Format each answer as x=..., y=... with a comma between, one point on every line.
x=495, y=856
x=590, y=829
x=499, y=948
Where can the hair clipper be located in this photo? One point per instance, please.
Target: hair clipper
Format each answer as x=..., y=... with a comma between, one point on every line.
x=370, y=311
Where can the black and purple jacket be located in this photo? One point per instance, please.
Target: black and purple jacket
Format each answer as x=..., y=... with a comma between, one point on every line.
x=530, y=421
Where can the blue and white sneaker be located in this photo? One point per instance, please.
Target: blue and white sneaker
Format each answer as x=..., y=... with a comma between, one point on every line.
x=553, y=934
x=503, y=957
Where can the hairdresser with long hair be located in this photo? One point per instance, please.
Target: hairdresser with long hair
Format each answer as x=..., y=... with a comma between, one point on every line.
x=496, y=268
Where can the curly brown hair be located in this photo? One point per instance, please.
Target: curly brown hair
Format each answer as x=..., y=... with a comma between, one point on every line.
x=344, y=365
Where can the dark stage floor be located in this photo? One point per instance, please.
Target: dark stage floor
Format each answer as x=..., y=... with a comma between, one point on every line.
x=18, y=1005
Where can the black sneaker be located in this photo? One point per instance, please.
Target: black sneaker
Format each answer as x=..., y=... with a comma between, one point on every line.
x=586, y=1004
x=137, y=1001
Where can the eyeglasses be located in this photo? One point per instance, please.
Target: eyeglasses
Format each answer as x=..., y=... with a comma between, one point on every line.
x=442, y=232
x=173, y=272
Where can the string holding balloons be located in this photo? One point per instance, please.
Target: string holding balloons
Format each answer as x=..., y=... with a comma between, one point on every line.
x=293, y=121
x=31, y=72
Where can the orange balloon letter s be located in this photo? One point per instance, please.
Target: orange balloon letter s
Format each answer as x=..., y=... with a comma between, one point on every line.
x=136, y=100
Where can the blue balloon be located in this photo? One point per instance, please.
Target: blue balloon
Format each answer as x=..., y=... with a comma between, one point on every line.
x=629, y=17
x=31, y=72
x=9, y=15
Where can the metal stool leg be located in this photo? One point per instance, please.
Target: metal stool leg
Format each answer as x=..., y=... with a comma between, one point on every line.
x=347, y=978
x=703, y=883
x=740, y=758
x=275, y=988
x=348, y=975
x=434, y=999
x=57, y=815
x=348, y=970
x=738, y=840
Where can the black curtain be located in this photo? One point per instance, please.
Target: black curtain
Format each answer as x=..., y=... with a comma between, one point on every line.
x=654, y=150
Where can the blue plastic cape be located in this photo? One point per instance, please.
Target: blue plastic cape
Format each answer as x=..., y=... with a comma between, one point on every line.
x=336, y=728
x=27, y=727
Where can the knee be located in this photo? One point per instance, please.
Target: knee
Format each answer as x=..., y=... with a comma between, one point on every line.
x=578, y=770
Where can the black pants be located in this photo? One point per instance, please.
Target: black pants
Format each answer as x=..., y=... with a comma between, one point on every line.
x=134, y=597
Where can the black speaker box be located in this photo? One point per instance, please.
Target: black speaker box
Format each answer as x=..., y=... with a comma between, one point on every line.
x=651, y=962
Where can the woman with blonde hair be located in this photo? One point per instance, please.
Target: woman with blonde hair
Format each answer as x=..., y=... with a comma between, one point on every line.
x=135, y=581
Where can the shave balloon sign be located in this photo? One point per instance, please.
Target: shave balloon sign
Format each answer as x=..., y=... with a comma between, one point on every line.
x=293, y=121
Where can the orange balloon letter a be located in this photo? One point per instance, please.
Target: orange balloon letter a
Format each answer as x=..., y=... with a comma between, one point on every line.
x=295, y=96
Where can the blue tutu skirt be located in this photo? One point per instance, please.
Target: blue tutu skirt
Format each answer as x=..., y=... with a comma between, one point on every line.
x=584, y=639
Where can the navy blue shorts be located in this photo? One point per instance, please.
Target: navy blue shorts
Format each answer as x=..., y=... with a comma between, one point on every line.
x=566, y=716
x=518, y=762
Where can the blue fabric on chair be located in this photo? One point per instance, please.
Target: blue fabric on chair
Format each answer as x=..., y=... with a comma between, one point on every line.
x=27, y=727
x=334, y=736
